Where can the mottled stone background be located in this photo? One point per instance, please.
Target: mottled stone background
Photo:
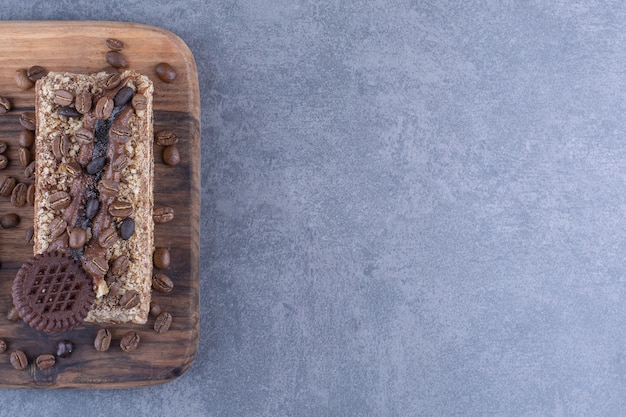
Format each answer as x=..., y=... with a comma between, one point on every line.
x=409, y=208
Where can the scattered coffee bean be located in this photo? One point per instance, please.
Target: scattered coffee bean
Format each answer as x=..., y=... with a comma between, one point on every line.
x=162, y=283
x=115, y=44
x=112, y=81
x=30, y=234
x=36, y=72
x=45, y=361
x=29, y=172
x=24, y=156
x=4, y=161
x=84, y=155
x=77, y=238
x=161, y=258
x=7, y=184
x=83, y=102
x=27, y=138
x=116, y=59
x=18, y=360
x=139, y=102
x=130, y=300
x=30, y=195
x=171, y=156
x=119, y=208
x=84, y=135
x=5, y=105
x=119, y=265
x=57, y=227
x=127, y=228
x=107, y=237
x=3, y=146
x=115, y=288
x=162, y=214
x=68, y=111
x=130, y=341
x=13, y=315
x=119, y=163
x=123, y=96
x=96, y=266
x=96, y=165
x=22, y=80
x=104, y=107
x=73, y=168
x=27, y=119
x=60, y=146
x=109, y=188
x=64, y=348
x=18, y=195
x=63, y=97
x=59, y=200
x=166, y=72
x=165, y=138
x=163, y=322
x=102, y=340
x=155, y=310
x=3, y=346
x=92, y=208
x=120, y=134
x=9, y=220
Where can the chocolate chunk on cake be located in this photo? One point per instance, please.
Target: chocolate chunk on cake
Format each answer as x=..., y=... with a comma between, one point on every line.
x=94, y=181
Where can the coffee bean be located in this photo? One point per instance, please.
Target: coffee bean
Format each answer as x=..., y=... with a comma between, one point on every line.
x=162, y=283
x=96, y=165
x=84, y=135
x=59, y=200
x=7, y=184
x=27, y=119
x=24, y=156
x=77, y=238
x=3, y=146
x=155, y=310
x=60, y=146
x=165, y=138
x=64, y=348
x=107, y=237
x=130, y=300
x=84, y=154
x=119, y=265
x=171, y=156
x=127, y=228
x=115, y=44
x=30, y=195
x=5, y=105
x=22, y=80
x=9, y=220
x=4, y=161
x=116, y=59
x=123, y=96
x=112, y=81
x=96, y=266
x=166, y=72
x=18, y=195
x=161, y=258
x=57, y=227
x=70, y=112
x=115, y=288
x=104, y=107
x=18, y=360
x=45, y=361
x=92, y=208
x=36, y=72
x=163, y=322
x=119, y=208
x=63, y=97
x=30, y=235
x=109, y=188
x=13, y=315
x=29, y=172
x=139, y=102
x=73, y=168
x=83, y=102
x=3, y=346
x=162, y=214
x=119, y=163
x=27, y=138
x=120, y=134
x=102, y=340
x=130, y=341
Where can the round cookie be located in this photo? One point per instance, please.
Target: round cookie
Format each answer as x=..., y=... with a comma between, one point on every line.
x=52, y=293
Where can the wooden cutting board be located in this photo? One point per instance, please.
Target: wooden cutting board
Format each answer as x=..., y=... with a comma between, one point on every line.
x=81, y=47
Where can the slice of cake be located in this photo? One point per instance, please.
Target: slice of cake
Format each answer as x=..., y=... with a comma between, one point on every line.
x=94, y=181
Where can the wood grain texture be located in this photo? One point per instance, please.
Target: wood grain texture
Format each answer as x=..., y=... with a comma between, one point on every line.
x=81, y=47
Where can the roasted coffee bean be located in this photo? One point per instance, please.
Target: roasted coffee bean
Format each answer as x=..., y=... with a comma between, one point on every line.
x=73, y=168
x=64, y=348
x=13, y=315
x=130, y=341
x=109, y=188
x=123, y=96
x=63, y=97
x=5, y=105
x=112, y=81
x=162, y=214
x=162, y=283
x=84, y=154
x=165, y=138
x=116, y=59
x=59, y=200
x=119, y=265
x=60, y=146
x=70, y=112
x=57, y=227
x=115, y=288
x=91, y=208
x=3, y=146
x=171, y=156
x=96, y=266
x=36, y=72
x=115, y=44
x=18, y=195
x=7, y=184
x=4, y=161
x=30, y=234
x=22, y=80
x=3, y=346
x=161, y=258
x=163, y=322
x=102, y=340
x=18, y=360
x=166, y=72
x=30, y=195
x=27, y=119
x=25, y=157
x=83, y=102
x=9, y=220
x=139, y=102
x=107, y=237
x=120, y=134
x=96, y=165
x=120, y=163
x=27, y=138
x=83, y=135
x=130, y=300
x=127, y=228
x=119, y=208
x=77, y=238
x=104, y=107
x=155, y=310
x=29, y=171
x=45, y=361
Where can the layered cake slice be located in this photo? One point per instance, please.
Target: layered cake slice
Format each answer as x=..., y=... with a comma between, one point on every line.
x=94, y=181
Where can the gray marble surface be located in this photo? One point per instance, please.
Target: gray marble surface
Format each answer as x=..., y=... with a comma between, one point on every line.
x=409, y=208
